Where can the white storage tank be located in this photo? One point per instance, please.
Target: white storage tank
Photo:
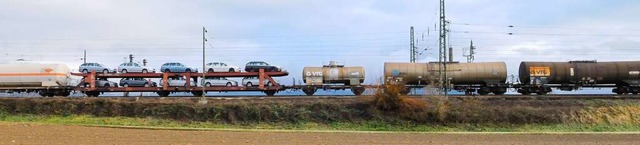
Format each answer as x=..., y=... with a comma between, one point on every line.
x=33, y=74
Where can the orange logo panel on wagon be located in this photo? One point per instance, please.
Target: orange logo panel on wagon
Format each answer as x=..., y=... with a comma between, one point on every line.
x=539, y=71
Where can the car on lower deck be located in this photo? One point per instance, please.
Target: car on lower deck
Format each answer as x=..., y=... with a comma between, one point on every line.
x=137, y=82
x=101, y=82
x=254, y=81
x=218, y=81
x=178, y=82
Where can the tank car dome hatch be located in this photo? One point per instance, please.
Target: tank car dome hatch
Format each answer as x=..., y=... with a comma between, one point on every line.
x=333, y=64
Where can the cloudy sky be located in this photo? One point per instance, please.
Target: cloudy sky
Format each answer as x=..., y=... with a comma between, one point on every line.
x=298, y=33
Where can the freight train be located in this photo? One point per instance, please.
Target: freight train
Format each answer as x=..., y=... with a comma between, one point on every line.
x=535, y=77
x=480, y=78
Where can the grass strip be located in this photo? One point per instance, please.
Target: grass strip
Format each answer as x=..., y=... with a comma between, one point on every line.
x=367, y=126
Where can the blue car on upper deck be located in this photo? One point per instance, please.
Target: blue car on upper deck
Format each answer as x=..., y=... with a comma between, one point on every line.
x=176, y=67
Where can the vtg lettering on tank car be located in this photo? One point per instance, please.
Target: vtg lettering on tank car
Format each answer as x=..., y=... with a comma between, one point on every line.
x=540, y=77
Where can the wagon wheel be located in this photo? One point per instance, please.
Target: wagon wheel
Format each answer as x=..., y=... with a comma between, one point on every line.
x=163, y=93
x=357, y=90
x=270, y=93
x=309, y=90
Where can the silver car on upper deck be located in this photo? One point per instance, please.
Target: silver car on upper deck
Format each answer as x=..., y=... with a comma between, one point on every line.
x=128, y=67
x=176, y=67
x=98, y=67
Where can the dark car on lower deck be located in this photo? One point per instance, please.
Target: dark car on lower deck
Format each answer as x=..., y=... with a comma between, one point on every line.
x=137, y=82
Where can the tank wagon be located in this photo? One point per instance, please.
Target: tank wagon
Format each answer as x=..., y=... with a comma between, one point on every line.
x=480, y=77
x=539, y=77
x=46, y=79
x=333, y=76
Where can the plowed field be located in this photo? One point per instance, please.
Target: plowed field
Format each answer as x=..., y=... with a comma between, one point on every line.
x=25, y=133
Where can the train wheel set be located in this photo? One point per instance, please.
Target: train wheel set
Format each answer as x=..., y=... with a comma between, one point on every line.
x=309, y=90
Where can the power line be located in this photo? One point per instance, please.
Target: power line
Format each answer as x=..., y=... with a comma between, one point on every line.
x=542, y=27
x=303, y=36
x=546, y=34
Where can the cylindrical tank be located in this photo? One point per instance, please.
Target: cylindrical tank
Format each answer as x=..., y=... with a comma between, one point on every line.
x=27, y=74
x=333, y=73
x=590, y=72
x=458, y=73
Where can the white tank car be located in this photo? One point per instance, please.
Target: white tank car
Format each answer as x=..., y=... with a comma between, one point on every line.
x=332, y=74
x=333, y=77
x=30, y=74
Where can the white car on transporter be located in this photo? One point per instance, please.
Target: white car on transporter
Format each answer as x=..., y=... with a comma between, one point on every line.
x=220, y=67
x=129, y=67
x=218, y=81
x=254, y=81
x=178, y=82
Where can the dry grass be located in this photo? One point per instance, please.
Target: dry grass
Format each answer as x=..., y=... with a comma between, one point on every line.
x=388, y=101
x=387, y=106
x=617, y=115
x=441, y=106
x=226, y=111
x=389, y=98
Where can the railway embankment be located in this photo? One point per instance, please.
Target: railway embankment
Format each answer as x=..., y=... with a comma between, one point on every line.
x=384, y=111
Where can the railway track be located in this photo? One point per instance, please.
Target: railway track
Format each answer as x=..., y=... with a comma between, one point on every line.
x=462, y=97
x=550, y=97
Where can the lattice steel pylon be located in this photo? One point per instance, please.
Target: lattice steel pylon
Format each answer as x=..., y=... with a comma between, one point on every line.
x=412, y=47
x=472, y=52
x=442, y=70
